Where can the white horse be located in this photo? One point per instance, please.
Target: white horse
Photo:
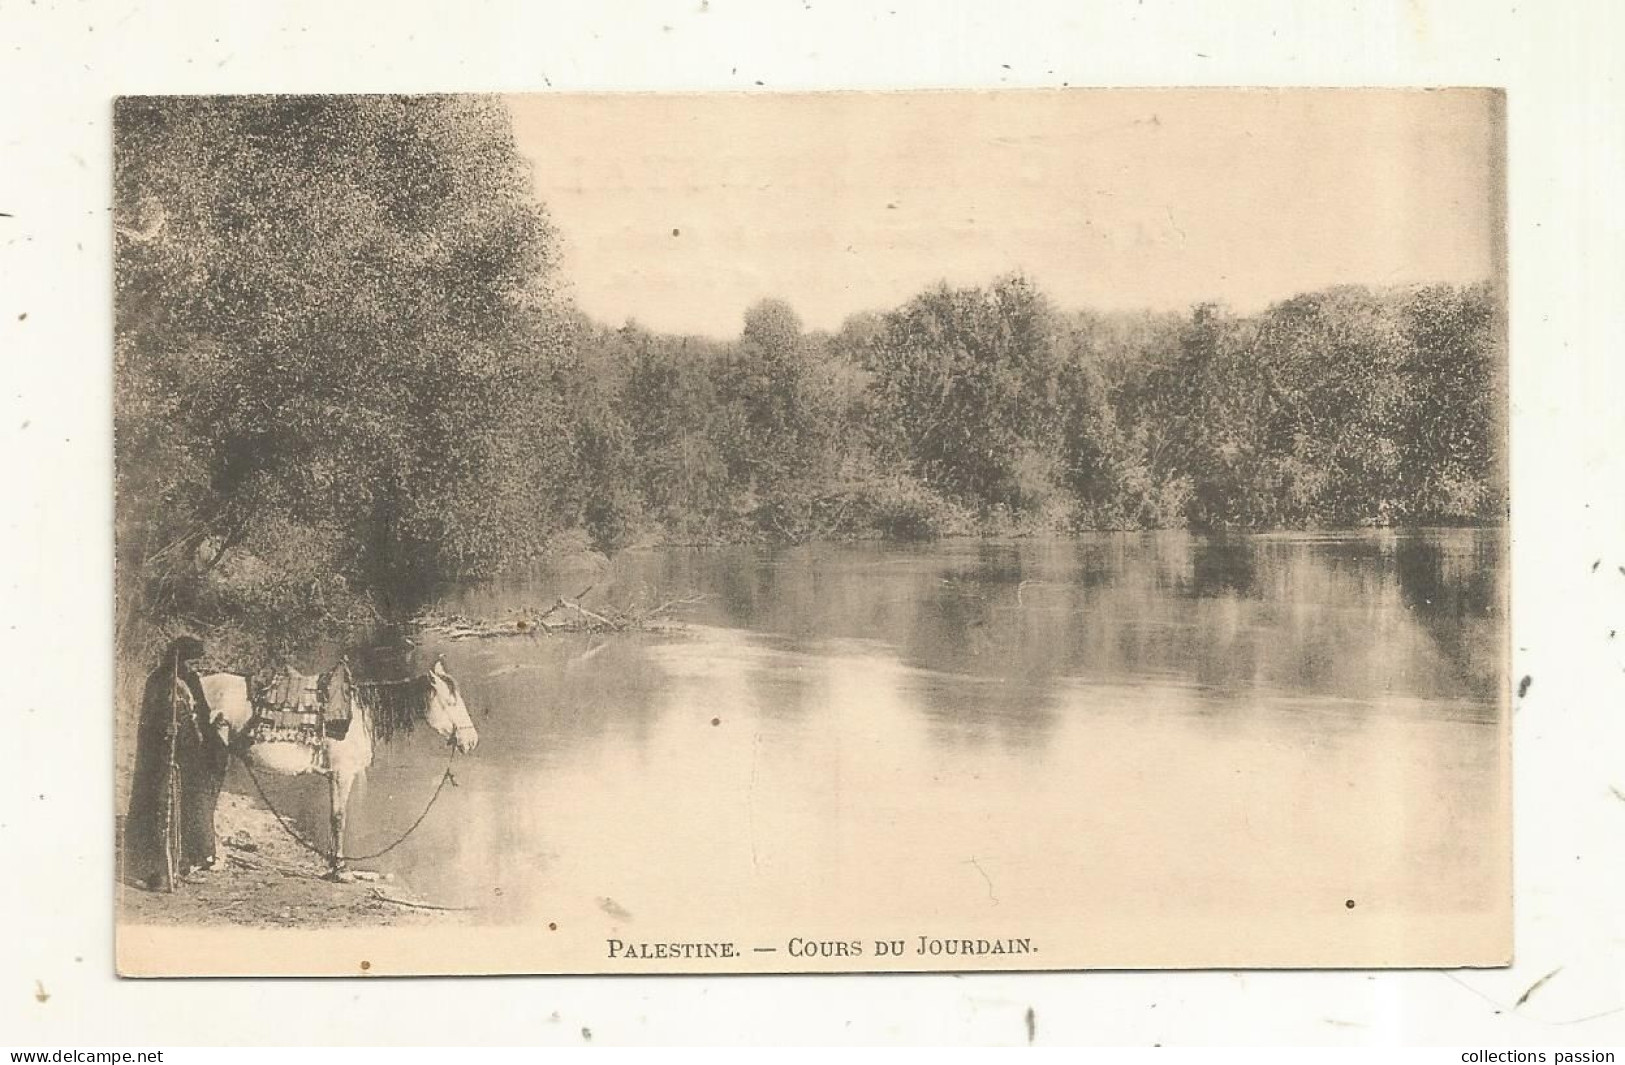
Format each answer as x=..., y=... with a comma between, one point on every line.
x=378, y=712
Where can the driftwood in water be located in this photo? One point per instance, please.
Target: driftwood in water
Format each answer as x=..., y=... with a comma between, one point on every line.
x=563, y=616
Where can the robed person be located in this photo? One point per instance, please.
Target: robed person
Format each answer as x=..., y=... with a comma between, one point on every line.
x=180, y=763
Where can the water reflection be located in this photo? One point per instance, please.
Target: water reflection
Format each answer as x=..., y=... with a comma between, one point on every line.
x=1220, y=565
x=989, y=632
x=1055, y=705
x=1452, y=585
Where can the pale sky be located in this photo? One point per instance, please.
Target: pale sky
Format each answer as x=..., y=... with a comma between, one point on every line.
x=682, y=210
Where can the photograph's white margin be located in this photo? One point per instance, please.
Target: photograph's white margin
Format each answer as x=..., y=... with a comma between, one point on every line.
x=61, y=65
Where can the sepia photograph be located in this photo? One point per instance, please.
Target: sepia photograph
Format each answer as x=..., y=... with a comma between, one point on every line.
x=811, y=532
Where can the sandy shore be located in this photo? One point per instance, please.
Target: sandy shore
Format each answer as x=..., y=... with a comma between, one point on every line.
x=264, y=879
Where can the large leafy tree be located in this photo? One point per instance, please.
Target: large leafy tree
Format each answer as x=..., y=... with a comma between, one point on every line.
x=766, y=426
x=1211, y=409
x=330, y=314
x=1454, y=433
x=1332, y=366
x=969, y=381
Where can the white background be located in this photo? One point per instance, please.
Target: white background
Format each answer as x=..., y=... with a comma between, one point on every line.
x=61, y=64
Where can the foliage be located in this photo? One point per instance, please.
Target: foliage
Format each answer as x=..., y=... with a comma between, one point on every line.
x=986, y=410
x=1453, y=466
x=968, y=382
x=344, y=374
x=332, y=313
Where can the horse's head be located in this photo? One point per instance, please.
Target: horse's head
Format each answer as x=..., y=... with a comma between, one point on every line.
x=446, y=712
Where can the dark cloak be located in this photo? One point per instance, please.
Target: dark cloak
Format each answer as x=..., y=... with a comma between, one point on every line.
x=180, y=763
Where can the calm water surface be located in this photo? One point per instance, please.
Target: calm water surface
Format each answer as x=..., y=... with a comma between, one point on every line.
x=1138, y=723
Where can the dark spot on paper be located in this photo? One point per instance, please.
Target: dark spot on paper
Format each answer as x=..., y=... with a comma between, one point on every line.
x=614, y=909
x=676, y=232
x=891, y=207
x=1348, y=904
x=1595, y=564
x=1523, y=685
x=586, y=1033
x=23, y=317
x=365, y=965
x=716, y=721
x=40, y=994
x=552, y=926
x=1032, y=1025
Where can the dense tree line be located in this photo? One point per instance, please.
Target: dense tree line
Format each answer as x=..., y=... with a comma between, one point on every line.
x=986, y=409
x=345, y=372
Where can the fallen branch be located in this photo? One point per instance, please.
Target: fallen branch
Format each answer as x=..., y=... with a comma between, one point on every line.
x=381, y=897
x=266, y=865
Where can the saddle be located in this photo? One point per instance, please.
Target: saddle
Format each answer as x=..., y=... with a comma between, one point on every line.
x=300, y=708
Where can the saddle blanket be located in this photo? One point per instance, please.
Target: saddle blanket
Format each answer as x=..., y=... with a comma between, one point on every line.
x=299, y=708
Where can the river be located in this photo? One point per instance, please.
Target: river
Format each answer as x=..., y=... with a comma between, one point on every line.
x=1144, y=725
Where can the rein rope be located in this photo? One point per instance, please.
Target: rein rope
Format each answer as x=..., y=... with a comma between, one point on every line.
x=334, y=858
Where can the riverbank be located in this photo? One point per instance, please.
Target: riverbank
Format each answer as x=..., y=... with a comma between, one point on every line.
x=264, y=879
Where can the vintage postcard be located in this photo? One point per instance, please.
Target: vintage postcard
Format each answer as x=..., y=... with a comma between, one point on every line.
x=729, y=533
